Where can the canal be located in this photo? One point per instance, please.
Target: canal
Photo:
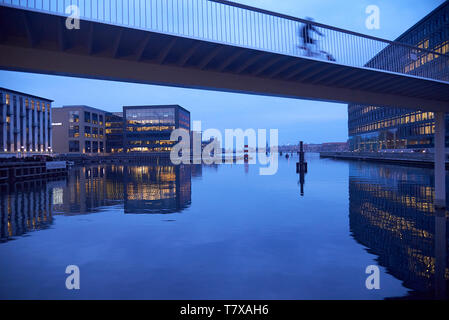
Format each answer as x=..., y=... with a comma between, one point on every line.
x=224, y=232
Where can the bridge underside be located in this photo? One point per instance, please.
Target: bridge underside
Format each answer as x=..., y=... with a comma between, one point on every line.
x=40, y=43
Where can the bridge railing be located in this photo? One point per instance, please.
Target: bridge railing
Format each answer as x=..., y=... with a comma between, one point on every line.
x=235, y=24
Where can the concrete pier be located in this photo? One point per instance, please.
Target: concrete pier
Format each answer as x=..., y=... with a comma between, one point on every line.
x=12, y=171
x=414, y=159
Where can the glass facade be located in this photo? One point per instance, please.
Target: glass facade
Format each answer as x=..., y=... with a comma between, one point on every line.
x=374, y=128
x=114, y=133
x=148, y=128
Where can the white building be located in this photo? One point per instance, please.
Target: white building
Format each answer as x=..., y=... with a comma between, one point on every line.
x=25, y=123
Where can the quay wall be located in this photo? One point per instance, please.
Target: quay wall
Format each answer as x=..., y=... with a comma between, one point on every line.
x=405, y=158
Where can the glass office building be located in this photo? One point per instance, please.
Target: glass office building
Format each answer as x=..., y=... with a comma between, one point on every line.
x=148, y=128
x=114, y=132
x=376, y=128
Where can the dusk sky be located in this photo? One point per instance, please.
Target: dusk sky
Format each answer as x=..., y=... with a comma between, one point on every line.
x=313, y=122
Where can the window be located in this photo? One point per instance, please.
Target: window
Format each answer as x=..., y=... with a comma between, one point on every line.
x=74, y=131
x=94, y=118
x=101, y=147
x=8, y=99
x=87, y=117
x=74, y=116
x=94, y=132
x=74, y=146
x=95, y=147
x=87, y=147
x=101, y=120
x=87, y=132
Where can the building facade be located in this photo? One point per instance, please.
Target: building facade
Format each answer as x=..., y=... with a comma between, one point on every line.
x=376, y=128
x=78, y=130
x=114, y=132
x=25, y=123
x=148, y=128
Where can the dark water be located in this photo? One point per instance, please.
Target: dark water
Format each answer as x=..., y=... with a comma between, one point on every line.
x=225, y=232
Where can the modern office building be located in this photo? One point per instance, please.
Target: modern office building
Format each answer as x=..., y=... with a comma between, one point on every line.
x=148, y=128
x=114, y=132
x=25, y=123
x=375, y=128
x=78, y=130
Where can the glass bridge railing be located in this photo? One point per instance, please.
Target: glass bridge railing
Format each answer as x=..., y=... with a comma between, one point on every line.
x=239, y=25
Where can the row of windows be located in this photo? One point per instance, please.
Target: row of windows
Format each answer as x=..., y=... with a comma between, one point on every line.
x=424, y=58
x=89, y=146
x=161, y=114
x=405, y=119
x=74, y=132
x=151, y=142
x=93, y=118
x=150, y=128
x=153, y=121
x=147, y=149
x=114, y=131
x=30, y=104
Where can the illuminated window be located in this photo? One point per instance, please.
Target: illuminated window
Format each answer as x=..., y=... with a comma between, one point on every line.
x=74, y=116
x=74, y=131
x=87, y=132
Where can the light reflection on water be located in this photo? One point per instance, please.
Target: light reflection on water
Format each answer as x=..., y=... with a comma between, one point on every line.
x=232, y=234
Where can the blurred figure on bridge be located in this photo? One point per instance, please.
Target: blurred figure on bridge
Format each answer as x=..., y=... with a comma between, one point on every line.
x=306, y=35
x=309, y=44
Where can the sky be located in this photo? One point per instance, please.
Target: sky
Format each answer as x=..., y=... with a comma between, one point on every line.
x=310, y=121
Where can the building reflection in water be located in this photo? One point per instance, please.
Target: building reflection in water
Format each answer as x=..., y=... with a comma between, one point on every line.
x=149, y=188
x=90, y=188
x=26, y=207
x=391, y=212
x=157, y=189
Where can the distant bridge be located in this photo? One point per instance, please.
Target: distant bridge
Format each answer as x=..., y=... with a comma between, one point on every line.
x=220, y=45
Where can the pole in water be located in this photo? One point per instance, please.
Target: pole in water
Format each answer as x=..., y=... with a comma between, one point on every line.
x=301, y=167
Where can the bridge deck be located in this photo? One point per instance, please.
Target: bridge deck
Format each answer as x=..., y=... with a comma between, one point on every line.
x=28, y=38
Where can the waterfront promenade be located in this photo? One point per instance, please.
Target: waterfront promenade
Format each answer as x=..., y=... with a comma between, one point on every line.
x=406, y=158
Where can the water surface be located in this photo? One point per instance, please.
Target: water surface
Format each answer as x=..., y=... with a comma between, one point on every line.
x=225, y=232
